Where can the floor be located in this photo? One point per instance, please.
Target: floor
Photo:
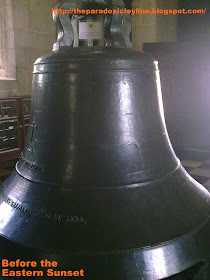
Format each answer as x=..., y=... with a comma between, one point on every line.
x=196, y=162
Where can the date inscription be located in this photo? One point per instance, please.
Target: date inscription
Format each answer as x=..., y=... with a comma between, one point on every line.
x=44, y=213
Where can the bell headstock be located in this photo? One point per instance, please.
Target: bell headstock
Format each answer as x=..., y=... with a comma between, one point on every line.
x=93, y=29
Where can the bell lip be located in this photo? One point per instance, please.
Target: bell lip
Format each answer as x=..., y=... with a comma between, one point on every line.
x=180, y=253
x=32, y=215
x=178, y=260
x=144, y=248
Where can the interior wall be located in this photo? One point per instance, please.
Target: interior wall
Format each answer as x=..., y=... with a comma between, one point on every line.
x=7, y=48
x=166, y=24
x=194, y=27
x=35, y=34
x=148, y=28
x=28, y=31
x=8, y=85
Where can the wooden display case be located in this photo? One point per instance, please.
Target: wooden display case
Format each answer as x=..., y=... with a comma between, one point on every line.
x=14, y=119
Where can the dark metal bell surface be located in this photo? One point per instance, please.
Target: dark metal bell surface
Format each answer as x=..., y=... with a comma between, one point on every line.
x=98, y=180
x=98, y=186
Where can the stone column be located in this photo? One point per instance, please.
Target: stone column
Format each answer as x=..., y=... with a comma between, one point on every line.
x=7, y=51
x=143, y=25
x=35, y=34
x=148, y=28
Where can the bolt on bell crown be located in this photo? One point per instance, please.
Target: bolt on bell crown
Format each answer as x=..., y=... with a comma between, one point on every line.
x=98, y=184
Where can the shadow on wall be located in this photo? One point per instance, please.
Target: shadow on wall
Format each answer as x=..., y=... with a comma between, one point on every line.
x=185, y=80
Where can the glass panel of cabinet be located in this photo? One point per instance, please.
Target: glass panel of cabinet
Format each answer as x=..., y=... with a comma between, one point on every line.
x=14, y=120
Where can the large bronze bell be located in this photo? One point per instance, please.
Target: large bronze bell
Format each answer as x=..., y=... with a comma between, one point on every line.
x=98, y=186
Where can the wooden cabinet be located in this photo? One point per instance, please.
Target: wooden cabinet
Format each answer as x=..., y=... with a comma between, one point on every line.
x=14, y=120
